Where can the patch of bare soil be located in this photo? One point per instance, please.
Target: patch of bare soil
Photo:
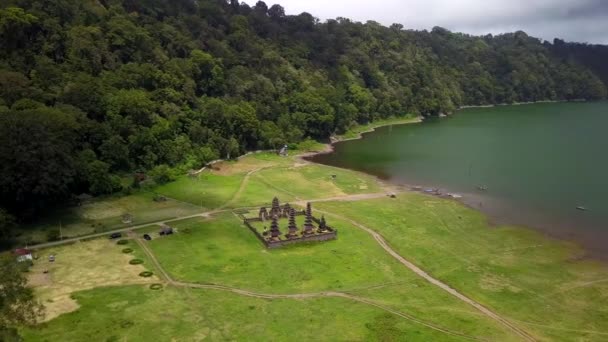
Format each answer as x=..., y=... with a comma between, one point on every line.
x=81, y=266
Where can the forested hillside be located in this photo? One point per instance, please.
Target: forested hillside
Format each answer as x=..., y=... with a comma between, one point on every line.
x=91, y=89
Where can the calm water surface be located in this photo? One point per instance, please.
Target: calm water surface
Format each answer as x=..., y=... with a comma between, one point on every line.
x=538, y=162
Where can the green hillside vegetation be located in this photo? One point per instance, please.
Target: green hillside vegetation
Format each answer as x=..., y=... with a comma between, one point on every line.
x=93, y=90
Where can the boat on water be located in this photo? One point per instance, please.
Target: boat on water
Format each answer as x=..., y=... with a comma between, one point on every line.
x=482, y=188
x=581, y=208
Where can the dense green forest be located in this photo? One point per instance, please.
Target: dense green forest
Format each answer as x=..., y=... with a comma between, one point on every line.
x=93, y=89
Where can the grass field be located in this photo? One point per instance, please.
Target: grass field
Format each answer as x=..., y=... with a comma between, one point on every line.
x=224, y=251
x=136, y=313
x=221, y=251
x=539, y=284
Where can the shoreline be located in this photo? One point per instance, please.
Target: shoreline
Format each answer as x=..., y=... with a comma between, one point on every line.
x=494, y=219
x=518, y=103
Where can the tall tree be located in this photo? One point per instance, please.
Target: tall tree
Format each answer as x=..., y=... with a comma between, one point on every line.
x=17, y=303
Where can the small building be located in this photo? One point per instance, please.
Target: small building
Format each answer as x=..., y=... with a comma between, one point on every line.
x=23, y=254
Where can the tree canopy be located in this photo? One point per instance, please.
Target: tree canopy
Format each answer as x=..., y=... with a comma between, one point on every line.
x=89, y=89
x=17, y=303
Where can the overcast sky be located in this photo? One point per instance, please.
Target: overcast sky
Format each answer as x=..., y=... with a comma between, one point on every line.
x=572, y=20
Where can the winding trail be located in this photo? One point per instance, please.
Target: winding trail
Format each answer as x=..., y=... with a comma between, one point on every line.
x=298, y=296
x=379, y=239
x=489, y=313
x=241, y=188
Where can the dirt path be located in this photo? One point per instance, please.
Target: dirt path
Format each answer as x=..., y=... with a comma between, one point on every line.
x=201, y=214
x=382, y=242
x=242, y=187
x=169, y=280
x=124, y=230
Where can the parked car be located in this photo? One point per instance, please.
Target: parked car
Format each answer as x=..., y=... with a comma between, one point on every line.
x=115, y=235
x=147, y=237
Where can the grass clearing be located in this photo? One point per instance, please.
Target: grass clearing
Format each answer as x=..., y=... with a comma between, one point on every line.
x=207, y=190
x=518, y=272
x=223, y=251
x=136, y=313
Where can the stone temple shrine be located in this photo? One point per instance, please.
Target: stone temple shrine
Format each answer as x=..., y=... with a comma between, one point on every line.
x=278, y=225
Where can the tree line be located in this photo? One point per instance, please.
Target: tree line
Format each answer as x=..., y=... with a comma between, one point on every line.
x=94, y=89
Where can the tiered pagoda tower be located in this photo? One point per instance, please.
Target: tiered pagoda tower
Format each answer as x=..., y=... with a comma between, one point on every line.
x=286, y=210
x=276, y=208
x=308, y=226
x=293, y=227
x=274, y=228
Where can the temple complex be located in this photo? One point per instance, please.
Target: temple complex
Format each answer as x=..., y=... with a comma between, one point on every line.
x=284, y=227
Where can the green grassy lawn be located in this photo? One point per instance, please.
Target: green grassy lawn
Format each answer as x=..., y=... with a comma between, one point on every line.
x=222, y=251
x=258, y=193
x=104, y=214
x=538, y=282
x=207, y=191
x=136, y=313
x=311, y=181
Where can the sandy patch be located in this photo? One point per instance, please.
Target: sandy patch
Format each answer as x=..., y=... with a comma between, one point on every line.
x=81, y=266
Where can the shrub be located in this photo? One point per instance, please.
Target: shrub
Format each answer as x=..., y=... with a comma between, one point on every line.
x=127, y=250
x=156, y=286
x=146, y=274
x=162, y=174
x=53, y=235
x=122, y=242
x=136, y=262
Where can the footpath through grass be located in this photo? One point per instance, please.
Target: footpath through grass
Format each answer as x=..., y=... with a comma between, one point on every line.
x=136, y=313
x=539, y=283
x=223, y=251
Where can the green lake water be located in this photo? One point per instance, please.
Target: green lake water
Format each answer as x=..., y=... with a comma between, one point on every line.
x=538, y=162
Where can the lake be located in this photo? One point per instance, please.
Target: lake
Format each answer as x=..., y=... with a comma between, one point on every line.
x=538, y=163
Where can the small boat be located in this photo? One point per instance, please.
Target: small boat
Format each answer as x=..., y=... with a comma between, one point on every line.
x=482, y=188
x=581, y=208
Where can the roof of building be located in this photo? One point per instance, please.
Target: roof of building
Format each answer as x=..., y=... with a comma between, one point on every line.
x=22, y=251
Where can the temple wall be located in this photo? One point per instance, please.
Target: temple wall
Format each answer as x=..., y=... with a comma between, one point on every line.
x=329, y=235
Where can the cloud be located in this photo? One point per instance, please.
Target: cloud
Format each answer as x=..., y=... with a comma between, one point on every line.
x=574, y=20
